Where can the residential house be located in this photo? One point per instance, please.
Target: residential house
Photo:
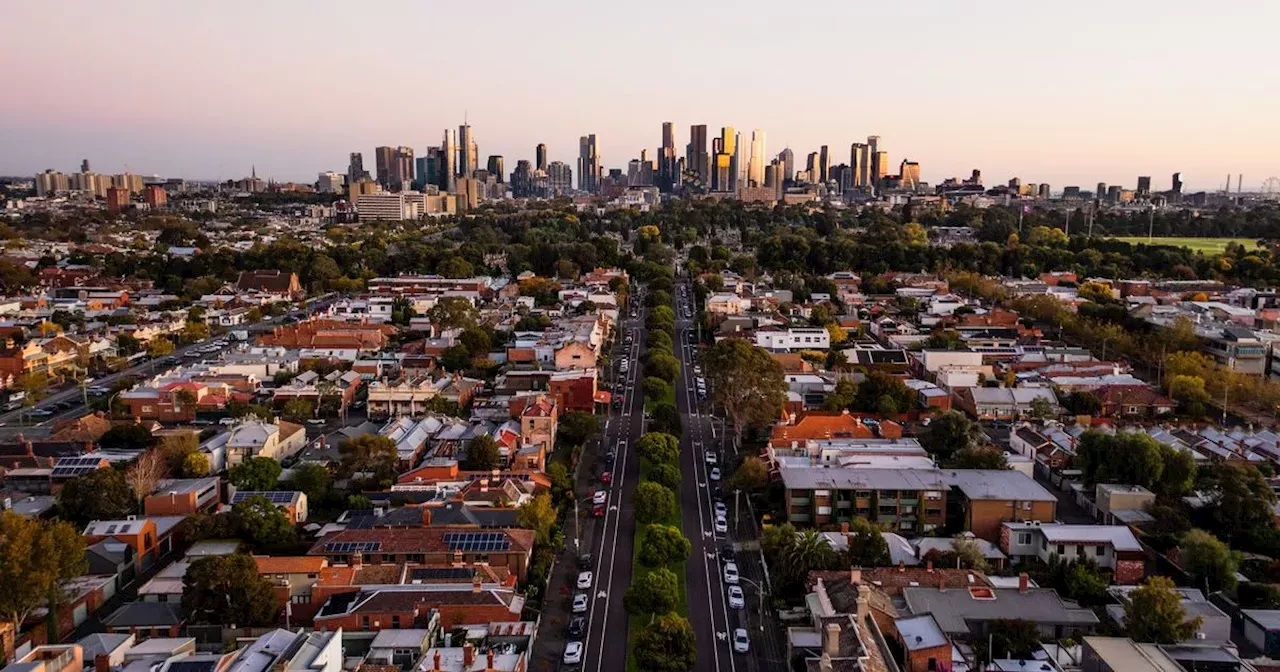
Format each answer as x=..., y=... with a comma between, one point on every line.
x=965, y=613
x=510, y=548
x=255, y=438
x=182, y=496
x=1112, y=547
x=1003, y=403
x=270, y=285
x=376, y=609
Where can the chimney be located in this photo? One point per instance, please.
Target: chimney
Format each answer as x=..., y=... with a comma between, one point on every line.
x=489, y=661
x=928, y=565
x=436, y=663
x=426, y=516
x=475, y=585
x=824, y=663
x=855, y=576
x=831, y=640
x=863, y=603
x=357, y=560
x=844, y=528
x=902, y=565
x=1023, y=583
x=102, y=663
x=468, y=655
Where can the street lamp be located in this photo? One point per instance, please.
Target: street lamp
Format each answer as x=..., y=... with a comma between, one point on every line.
x=759, y=591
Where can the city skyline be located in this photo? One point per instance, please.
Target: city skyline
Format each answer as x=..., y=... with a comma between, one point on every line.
x=1042, y=101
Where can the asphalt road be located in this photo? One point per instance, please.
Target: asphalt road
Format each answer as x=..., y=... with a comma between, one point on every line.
x=17, y=422
x=610, y=539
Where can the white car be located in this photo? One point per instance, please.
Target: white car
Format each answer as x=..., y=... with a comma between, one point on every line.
x=731, y=573
x=722, y=525
x=580, y=603
x=715, y=473
x=721, y=510
x=736, y=599
x=584, y=580
x=740, y=642
x=600, y=497
x=573, y=653
x=710, y=456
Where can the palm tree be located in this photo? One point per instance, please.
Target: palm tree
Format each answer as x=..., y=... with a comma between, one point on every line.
x=808, y=552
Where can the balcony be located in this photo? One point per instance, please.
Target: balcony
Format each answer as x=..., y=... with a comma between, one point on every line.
x=801, y=501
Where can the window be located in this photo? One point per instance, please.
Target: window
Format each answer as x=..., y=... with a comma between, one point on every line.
x=1044, y=544
x=1061, y=550
x=395, y=622
x=933, y=513
x=1080, y=550
x=862, y=494
x=888, y=511
x=364, y=622
x=1024, y=538
x=1099, y=550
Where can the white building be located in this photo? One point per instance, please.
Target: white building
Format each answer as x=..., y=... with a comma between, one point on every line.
x=803, y=338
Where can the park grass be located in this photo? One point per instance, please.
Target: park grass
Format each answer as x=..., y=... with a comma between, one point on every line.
x=638, y=571
x=1205, y=245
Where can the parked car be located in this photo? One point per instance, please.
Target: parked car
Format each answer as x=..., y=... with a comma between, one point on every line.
x=710, y=456
x=731, y=573
x=601, y=497
x=573, y=653
x=722, y=525
x=736, y=598
x=606, y=477
x=597, y=511
x=721, y=509
x=740, y=642
x=728, y=553
x=580, y=603
x=715, y=473
x=584, y=561
x=585, y=579
x=577, y=627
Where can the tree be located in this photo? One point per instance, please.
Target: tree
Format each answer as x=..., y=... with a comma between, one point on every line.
x=195, y=331
x=175, y=448
x=981, y=457
x=159, y=347
x=1041, y=408
x=837, y=333
x=663, y=545
x=666, y=475
x=369, y=453
x=750, y=476
x=482, y=454
x=561, y=483
x=746, y=381
x=145, y=472
x=652, y=593
x=659, y=448
x=1082, y=403
x=663, y=366
x=37, y=560
x=948, y=434
x=666, y=645
x=653, y=503
x=262, y=523
x=1210, y=562
x=452, y=312
x=1154, y=613
x=454, y=267
x=297, y=410
x=666, y=418
x=1241, y=502
x=227, y=590
x=1014, y=638
x=126, y=437
x=867, y=547
x=655, y=389
x=968, y=552
x=98, y=495
x=538, y=515
x=455, y=358
x=874, y=389
x=194, y=465
x=576, y=427
x=256, y=473
x=312, y=479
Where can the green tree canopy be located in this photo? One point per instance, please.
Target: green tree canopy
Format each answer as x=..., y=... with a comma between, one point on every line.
x=311, y=478
x=482, y=454
x=666, y=645
x=663, y=366
x=666, y=475
x=653, y=503
x=38, y=558
x=576, y=427
x=262, y=523
x=226, y=590
x=538, y=515
x=127, y=437
x=659, y=448
x=663, y=545
x=255, y=473
x=1014, y=638
x=1154, y=613
x=369, y=454
x=653, y=592
x=981, y=457
x=746, y=381
x=666, y=418
x=103, y=494
x=1211, y=563
x=867, y=547
x=752, y=475
x=948, y=434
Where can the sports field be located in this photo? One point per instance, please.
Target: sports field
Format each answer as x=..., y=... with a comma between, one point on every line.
x=1206, y=245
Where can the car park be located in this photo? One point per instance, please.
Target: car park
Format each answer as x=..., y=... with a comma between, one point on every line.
x=580, y=603
x=737, y=599
x=731, y=573
x=573, y=653
x=585, y=579
x=740, y=642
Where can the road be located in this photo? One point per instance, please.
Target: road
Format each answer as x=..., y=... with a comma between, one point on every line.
x=610, y=540
x=16, y=422
x=713, y=620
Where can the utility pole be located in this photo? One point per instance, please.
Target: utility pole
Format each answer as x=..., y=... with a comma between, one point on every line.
x=1151, y=223
x=1066, y=228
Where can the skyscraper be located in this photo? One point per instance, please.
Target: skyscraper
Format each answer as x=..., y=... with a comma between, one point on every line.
x=1144, y=186
x=738, y=159
x=1177, y=183
x=495, y=167
x=468, y=157
x=588, y=164
x=726, y=165
x=1044, y=191
x=756, y=162
x=668, y=177
x=449, y=162
x=84, y=165
x=355, y=168
x=787, y=159
x=811, y=166
x=383, y=158
x=402, y=168
x=879, y=167
x=540, y=154
x=696, y=157
x=559, y=177
x=860, y=164
x=824, y=165
x=1101, y=192
x=522, y=179
x=909, y=174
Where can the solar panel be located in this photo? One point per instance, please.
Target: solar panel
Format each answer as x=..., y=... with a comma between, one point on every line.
x=441, y=573
x=273, y=496
x=71, y=472
x=352, y=546
x=477, y=542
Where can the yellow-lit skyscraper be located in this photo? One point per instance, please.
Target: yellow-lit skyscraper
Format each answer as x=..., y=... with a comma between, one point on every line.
x=756, y=163
x=723, y=177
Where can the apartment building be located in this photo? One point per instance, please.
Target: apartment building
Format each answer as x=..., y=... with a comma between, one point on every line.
x=795, y=338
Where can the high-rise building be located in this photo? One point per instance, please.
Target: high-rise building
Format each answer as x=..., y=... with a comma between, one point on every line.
x=559, y=178
x=1015, y=184
x=468, y=157
x=639, y=173
x=787, y=159
x=402, y=174
x=668, y=163
x=117, y=199
x=725, y=178
x=909, y=174
x=696, y=158
x=355, y=168
x=1044, y=191
x=860, y=164
x=738, y=174
x=154, y=196
x=879, y=167
x=842, y=175
x=824, y=164
x=383, y=158
x=540, y=154
x=1101, y=190
x=1144, y=186
x=494, y=166
x=89, y=182
x=522, y=180
x=50, y=182
x=448, y=162
x=756, y=162
x=330, y=182
x=811, y=166
x=588, y=164
x=1113, y=193
x=1177, y=183
x=427, y=169
x=84, y=166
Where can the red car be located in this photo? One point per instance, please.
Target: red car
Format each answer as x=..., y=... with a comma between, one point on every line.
x=598, y=511
x=606, y=477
